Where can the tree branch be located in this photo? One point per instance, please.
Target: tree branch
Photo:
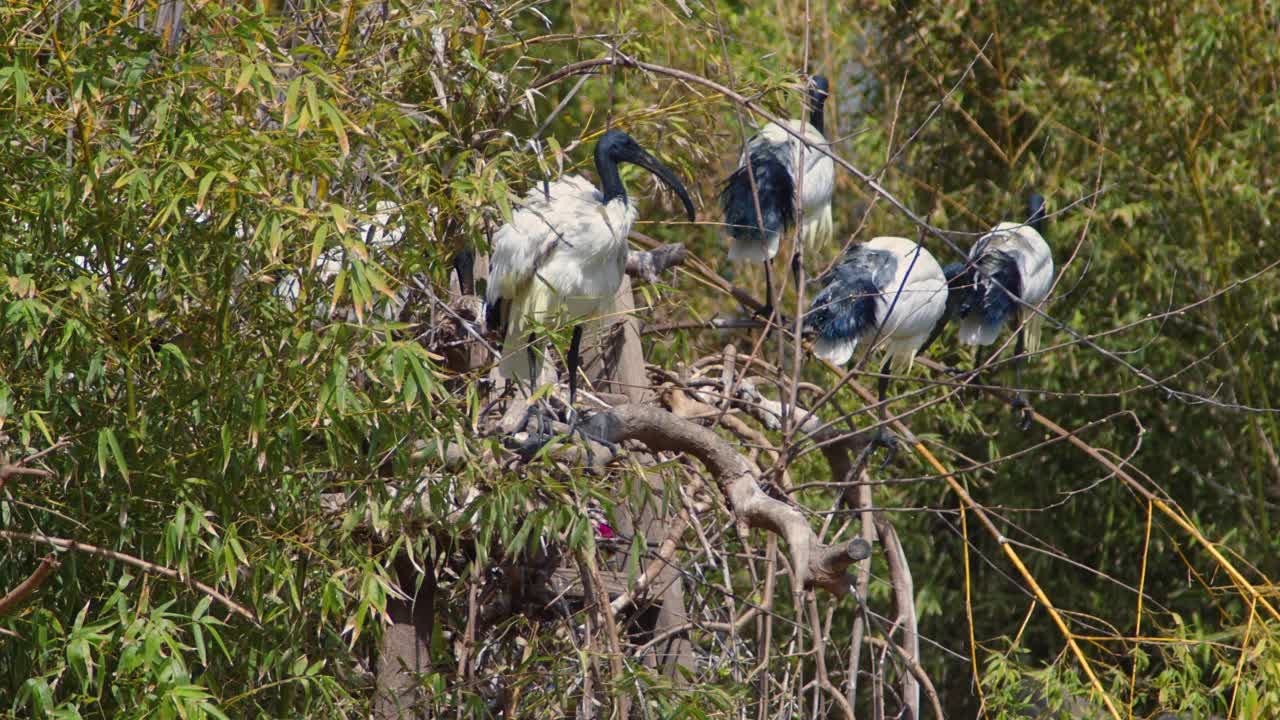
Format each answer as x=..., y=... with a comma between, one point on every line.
x=815, y=564
x=646, y=265
x=19, y=595
x=65, y=544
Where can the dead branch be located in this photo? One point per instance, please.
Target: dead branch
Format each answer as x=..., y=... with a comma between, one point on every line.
x=646, y=265
x=904, y=596
x=19, y=468
x=65, y=544
x=594, y=591
x=916, y=671
x=17, y=596
x=815, y=564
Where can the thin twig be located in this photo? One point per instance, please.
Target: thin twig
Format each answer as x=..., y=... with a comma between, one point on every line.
x=65, y=544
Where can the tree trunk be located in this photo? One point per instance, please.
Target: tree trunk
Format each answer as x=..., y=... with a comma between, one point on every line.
x=615, y=363
x=405, y=651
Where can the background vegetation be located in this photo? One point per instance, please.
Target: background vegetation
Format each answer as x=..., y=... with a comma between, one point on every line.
x=165, y=164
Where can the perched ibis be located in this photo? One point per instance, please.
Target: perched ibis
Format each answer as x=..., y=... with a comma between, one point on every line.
x=563, y=255
x=760, y=198
x=1008, y=274
x=889, y=295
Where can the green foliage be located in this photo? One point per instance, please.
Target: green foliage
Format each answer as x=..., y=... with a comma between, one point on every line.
x=154, y=199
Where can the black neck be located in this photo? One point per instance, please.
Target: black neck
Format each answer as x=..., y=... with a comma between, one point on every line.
x=1036, y=213
x=816, y=103
x=610, y=179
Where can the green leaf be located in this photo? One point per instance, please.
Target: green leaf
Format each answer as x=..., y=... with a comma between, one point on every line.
x=291, y=100
x=341, y=217
x=317, y=244
x=246, y=75
x=205, y=183
x=313, y=101
x=336, y=122
x=104, y=453
x=116, y=452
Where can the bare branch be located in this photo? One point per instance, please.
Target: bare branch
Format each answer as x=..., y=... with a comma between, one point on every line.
x=646, y=265
x=815, y=564
x=65, y=544
x=17, y=596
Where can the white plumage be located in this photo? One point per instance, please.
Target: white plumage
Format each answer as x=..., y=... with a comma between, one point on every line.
x=908, y=297
x=562, y=255
x=1033, y=260
x=557, y=260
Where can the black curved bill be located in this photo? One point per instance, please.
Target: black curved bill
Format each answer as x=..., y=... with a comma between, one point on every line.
x=663, y=173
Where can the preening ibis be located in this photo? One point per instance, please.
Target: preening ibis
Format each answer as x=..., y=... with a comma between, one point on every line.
x=888, y=294
x=759, y=199
x=564, y=253
x=1010, y=271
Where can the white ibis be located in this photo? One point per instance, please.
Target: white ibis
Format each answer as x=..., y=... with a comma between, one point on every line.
x=1010, y=271
x=564, y=253
x=759, y=199
x=888, y=294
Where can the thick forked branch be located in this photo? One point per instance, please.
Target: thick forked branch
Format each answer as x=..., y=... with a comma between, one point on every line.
x=816, y=564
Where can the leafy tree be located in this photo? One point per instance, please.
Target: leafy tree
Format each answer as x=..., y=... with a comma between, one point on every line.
x=250, y=464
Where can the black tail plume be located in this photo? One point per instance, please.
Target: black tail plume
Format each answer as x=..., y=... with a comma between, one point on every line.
x=997, y=304
x=493, y=315
x=776, y=191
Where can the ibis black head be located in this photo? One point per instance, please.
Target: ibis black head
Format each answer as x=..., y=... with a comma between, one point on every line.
x=464, y=264
x=1036, y=212
x=819, y=89
x=617, y=147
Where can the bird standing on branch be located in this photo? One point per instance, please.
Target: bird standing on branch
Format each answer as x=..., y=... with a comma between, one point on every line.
x=563, y=255
x=888, y=294
x=760, y=198
x=1009, y=272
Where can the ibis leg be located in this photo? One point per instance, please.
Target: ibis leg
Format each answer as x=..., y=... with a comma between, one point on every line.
x=536, y=440
x=767, y=310
x=1020, y=404
x=575, y=348
x=544, y=413
x=884, y=437
x=533, y=363
x=978, y=361
x=575, y=345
